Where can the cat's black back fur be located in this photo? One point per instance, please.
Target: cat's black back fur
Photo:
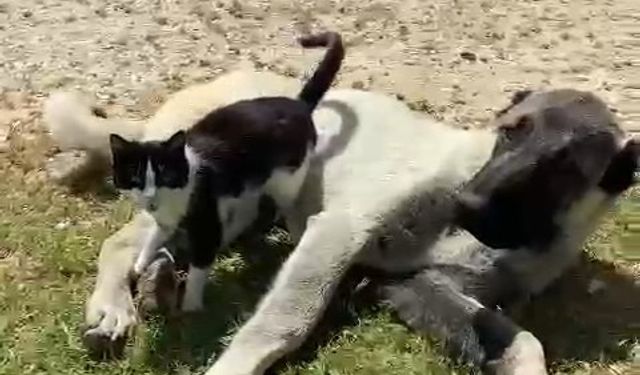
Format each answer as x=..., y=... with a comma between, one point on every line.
x=243, y=143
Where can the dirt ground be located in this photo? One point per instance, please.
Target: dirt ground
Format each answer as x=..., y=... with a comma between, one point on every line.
x=457, y=60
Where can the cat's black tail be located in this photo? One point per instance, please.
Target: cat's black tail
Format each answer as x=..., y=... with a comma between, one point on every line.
x=322, y=78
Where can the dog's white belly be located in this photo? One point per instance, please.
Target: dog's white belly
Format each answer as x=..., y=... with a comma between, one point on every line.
x=392, y=155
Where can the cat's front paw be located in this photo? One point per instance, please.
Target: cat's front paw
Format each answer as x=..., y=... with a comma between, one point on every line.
x=194, y=289
x=110, y=319
x=139, y=267
x=145, y=258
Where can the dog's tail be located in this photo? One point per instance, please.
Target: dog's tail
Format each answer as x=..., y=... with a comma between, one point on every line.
x=76, y=124
x=323, y=77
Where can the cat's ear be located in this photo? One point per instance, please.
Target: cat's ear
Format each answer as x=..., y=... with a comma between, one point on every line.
x=117, y=143
x=177, y=141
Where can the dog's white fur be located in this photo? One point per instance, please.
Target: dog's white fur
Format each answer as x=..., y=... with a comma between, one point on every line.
x=395, y=157
x=72, y=125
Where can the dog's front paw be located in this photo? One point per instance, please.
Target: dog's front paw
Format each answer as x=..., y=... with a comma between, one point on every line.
x=109, y=320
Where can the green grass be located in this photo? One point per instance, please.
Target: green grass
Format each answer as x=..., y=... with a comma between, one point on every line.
x=49, y=242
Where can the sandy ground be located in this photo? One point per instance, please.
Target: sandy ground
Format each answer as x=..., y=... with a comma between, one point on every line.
x=455, y=59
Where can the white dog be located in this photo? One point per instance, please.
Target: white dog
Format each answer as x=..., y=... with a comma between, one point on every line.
x=471, y=219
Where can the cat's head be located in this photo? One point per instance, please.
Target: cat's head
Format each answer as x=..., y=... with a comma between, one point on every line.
x=147, y=169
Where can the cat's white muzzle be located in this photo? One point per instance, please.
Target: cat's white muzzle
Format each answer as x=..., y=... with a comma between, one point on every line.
x=145, y=200
x=150, y=205
x=149, y=198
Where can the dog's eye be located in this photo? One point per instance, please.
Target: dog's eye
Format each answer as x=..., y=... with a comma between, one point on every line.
x=523, y=123
x=518, y=129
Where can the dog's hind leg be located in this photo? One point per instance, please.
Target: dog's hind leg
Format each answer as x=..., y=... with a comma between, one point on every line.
x=432, y=303
x=300, y=294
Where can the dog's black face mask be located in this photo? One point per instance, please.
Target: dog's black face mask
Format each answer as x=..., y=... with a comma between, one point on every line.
x=552, y=148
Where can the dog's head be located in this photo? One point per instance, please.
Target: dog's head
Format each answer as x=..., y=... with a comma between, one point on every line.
x=559, y=156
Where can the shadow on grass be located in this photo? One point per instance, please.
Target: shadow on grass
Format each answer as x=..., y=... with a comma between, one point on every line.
x=343, y=311
x=190, y=340
x=166, y=343
x=593, y=312
x=576, y=322
x=573, y=323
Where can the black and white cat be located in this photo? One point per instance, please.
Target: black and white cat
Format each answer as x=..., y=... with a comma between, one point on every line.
x=209, y=179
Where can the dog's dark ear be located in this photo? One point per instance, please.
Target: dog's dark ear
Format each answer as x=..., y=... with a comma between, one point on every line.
x=589, y=151
x=176, y=141
x=620, y=174
x=520, y=95
x=118, y=144
x=516, y=98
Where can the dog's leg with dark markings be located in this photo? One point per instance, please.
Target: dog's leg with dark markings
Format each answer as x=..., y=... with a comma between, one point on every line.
x=431, y=302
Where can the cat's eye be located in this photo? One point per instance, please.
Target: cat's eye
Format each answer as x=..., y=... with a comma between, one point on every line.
x=167, y=176
x=135, y=172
